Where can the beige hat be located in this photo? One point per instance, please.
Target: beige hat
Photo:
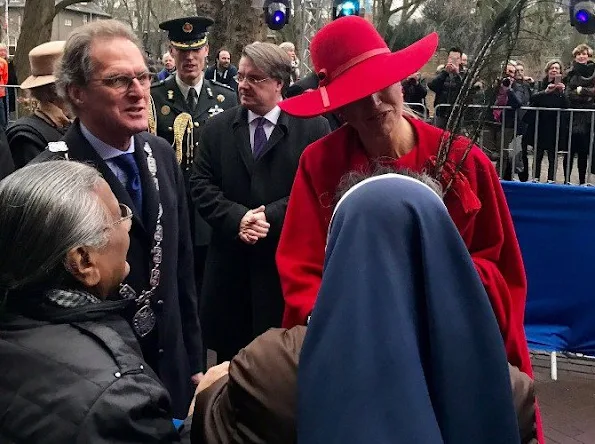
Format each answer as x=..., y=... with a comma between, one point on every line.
x=42, y=59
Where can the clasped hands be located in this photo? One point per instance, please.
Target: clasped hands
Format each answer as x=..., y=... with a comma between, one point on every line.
x=254, y=226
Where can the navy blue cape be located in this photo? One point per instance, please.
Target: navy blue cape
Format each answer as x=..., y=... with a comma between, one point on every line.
x=403, y=345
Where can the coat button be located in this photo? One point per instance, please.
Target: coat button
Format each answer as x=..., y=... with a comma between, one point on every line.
x=161, y=351
x=170, y=128
x=160, y=302
x=117, y=374
x=196, y=144
x=196, y=124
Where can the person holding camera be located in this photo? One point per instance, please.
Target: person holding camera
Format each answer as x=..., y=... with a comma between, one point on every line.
x=580, y=89
x=414, y=92
x=550, y=94
x=447, y=85
x=501, y=131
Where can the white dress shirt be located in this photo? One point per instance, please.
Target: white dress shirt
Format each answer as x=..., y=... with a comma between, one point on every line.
x=184, y=89
x=269, y=125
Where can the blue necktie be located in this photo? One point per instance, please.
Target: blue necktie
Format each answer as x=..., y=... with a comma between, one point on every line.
x=127, y=164
x=260, y=138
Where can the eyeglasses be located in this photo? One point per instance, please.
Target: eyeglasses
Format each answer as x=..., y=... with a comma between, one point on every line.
x=123, y=83
x=251, y=80
x=125, y=214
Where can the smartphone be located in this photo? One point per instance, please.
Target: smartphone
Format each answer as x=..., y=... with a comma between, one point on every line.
x=557, y=79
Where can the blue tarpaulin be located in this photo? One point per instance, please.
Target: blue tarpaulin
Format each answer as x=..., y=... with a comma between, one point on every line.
x=555, y=225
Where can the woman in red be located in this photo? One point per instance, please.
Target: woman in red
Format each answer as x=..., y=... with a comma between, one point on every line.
x=359, y=79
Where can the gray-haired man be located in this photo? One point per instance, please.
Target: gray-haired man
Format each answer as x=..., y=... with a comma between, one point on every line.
x=103, y=77
x=240, y=182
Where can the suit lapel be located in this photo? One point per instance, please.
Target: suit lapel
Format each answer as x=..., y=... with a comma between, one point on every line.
x=242, y=137
x=81, y=150
x=150, y=193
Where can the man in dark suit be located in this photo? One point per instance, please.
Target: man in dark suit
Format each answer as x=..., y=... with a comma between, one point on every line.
x=110, y=134
x=240, y=182
x=185, y=101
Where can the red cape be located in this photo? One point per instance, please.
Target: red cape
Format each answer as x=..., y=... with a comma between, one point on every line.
x=476, y=203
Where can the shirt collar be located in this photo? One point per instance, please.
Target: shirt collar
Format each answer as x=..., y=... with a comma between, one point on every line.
x=185, y=88
x=272, y=116
x=104, y=150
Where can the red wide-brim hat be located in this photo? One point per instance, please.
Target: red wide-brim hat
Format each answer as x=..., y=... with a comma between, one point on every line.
x=352, y=61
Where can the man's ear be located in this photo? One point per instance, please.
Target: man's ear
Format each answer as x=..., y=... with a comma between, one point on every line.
x=207, y=50
x=81, y=263
x=76, y=95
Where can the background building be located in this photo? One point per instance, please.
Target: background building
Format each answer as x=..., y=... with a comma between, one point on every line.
x=66, y=20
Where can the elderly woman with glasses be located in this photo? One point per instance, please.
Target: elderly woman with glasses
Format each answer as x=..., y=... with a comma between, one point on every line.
x=71, y=369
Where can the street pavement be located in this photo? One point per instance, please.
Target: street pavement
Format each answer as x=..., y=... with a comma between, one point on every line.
x=568, y=404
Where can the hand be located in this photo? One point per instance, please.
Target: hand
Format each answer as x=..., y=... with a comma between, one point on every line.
x=213, y=374
x=254, y=226
x=197, y=378
x=529, y=79
x=560, y=86
x=451, y=68
x=550, y=88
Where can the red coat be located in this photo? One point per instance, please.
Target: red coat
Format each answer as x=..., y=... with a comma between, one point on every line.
x=476, y=203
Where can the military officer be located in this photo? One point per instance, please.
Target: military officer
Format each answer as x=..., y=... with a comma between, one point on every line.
x=183, y=102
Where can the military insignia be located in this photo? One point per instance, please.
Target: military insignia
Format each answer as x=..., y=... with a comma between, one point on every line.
x=187, y=28
x=220, y=98
x=59, y=147
x=182, y=124
x=209, y=92
x=215, y=110
x=170, y=94
x=165, y=110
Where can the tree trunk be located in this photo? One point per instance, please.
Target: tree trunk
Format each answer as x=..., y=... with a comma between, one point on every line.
x=36, y=29
x=237, y=24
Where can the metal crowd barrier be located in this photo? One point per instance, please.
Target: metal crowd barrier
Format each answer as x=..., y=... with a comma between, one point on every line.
x=420, y=109
x=506, y=149
x=13, y=113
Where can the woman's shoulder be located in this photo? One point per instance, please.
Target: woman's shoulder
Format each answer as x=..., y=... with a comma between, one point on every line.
x=88, y=351
x=72, y=371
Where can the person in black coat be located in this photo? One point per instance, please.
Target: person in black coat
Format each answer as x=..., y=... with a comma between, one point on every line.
x=550, y=94
x=30, y=135
x=71, y=369
x=142, y=171
x=240, y=184
x=6, y=162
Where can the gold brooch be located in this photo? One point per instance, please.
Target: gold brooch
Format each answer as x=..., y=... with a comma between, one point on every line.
x=220, y=98
x=165, y=110
x=187, y=28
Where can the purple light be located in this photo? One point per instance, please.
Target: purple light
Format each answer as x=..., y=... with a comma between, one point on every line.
x=582, y=16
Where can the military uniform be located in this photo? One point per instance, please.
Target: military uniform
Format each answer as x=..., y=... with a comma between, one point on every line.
x=175, y=120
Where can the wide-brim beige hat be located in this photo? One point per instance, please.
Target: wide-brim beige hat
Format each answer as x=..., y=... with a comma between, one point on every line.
x=43, y=59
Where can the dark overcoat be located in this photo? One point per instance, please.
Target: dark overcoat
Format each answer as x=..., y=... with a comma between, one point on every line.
x=169, y=103
x=241, y=295
x=176, y=348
